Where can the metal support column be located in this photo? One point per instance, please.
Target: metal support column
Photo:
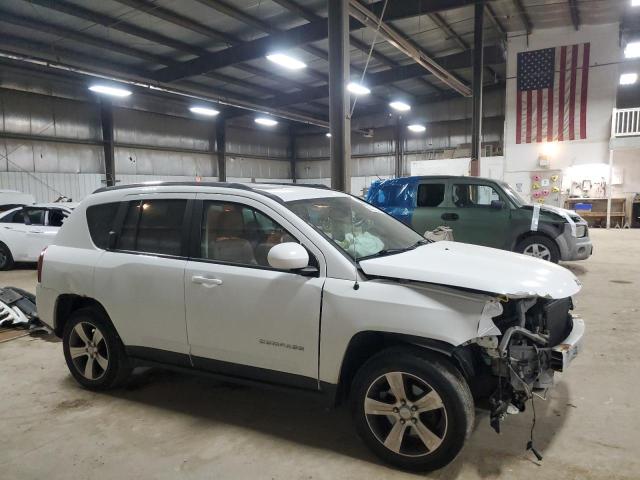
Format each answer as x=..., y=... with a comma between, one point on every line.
x=340, y=124
x=399, y=144
x=292, y=154
x=106, y=118
x=478, y=60
x=221, y=148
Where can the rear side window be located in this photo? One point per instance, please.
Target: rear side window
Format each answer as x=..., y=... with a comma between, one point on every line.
x=153, y=226
x=430, y=194
x=57, y=217
x=100, y=222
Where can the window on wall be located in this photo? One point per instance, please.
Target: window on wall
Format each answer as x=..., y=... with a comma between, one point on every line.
x=472, y=195
x=153, y=226
x=239, y=234
x=430, y=194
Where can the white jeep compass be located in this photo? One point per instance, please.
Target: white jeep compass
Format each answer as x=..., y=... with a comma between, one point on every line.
x=310, y=289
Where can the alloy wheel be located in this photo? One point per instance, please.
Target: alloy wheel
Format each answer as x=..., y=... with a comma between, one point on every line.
x=405, y=414
x=88, y=350
x=538, y=250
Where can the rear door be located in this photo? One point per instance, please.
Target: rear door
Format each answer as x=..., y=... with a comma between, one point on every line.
x=431, y=205
x=36, y=234
x=481, y=215
x=140, y=281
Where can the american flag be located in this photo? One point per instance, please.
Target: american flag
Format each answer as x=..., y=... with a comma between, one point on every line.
x=551, y=102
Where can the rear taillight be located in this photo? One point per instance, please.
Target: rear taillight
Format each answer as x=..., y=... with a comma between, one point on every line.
x=40, y=262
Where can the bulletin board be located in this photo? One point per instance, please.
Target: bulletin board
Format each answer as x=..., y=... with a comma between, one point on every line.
x=546, y=187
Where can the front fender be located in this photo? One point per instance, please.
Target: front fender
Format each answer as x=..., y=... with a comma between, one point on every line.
x=430, y=312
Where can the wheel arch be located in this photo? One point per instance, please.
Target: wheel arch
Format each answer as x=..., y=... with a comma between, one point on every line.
x=366, y=344
x=66, y=304
x=531, y=233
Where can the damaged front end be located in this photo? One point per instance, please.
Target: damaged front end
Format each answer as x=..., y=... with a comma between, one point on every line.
x=524, y=343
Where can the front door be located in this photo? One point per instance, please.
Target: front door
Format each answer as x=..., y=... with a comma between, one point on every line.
x=245, y=318
x=481, y=214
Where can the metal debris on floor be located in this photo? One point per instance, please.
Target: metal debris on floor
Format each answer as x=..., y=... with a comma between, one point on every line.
x=18, y=310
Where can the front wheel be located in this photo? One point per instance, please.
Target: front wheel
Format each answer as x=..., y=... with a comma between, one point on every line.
x=412, y=409
x=539, y=246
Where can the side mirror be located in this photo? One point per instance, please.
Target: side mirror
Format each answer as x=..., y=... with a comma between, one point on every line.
x=497, y=204
x=288, y=256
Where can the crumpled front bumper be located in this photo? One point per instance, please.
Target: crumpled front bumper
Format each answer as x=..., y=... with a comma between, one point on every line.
x=572, y=248
x=564, y=353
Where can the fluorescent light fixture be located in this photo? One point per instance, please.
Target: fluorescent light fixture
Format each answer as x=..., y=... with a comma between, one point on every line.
x=632, y=50
x=286, y=61
x=113, y=91
x=358, y=89
x=209, y=112
x=635, y=3
x=628, y=78
x=417, y=128
x=328, y=134
x=268, y=122
x=400, y=106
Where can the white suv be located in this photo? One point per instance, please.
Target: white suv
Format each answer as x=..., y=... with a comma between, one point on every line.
x=312, y=289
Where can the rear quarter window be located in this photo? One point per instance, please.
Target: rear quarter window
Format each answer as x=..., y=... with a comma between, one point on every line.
x=100, y=220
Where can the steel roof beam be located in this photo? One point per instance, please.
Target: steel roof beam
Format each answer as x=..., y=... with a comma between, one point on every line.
x=493, y=55
x=295, y=37
x=413, y=51
x=524, y=16
x=575, y=14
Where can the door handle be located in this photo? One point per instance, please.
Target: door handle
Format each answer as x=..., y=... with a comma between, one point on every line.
x=206, y=281
x=449, y=216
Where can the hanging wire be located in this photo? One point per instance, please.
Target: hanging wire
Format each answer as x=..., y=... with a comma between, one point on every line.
x=366, y=65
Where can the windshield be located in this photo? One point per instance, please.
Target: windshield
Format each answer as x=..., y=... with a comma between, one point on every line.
x=514, y=196
x=358, y=228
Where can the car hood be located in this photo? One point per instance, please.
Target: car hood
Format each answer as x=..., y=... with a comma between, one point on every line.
x=476, y=268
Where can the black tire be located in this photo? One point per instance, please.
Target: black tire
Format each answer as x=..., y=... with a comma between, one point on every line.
x=105, y=344
x=451, y=421
x=6, y=259
x=526, y=245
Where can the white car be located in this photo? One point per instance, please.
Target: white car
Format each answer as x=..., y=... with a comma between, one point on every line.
x=311, y=289
x=26, y=231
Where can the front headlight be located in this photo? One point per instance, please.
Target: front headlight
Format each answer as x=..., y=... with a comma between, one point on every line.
x=581, y=230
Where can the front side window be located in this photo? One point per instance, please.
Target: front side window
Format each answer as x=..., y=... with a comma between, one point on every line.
x=239, y=234
x=356, y=227
x=430, y=194
x=153, y=226
x=472, y=195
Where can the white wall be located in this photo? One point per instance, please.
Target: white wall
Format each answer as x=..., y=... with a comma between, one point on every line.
x=603, y=79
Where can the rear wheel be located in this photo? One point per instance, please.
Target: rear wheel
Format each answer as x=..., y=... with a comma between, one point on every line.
x=6, y=259
x=539, y=246
x=93, y=351
x=414, y=410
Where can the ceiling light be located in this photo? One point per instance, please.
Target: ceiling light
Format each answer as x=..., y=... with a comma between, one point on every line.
x=268, y=122
x=628, y=78
x=400, y=106
x=358, y=89
x=113, y=91
x=635, y=3
x=286, y=61
x=328, y=135
x=417, y=128
x=209, y=112
x=632, y=50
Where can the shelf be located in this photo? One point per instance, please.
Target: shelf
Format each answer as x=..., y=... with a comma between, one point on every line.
x=578, y=200
x=600, y=214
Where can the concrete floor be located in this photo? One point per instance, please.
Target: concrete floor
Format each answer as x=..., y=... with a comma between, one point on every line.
x=169, y=426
